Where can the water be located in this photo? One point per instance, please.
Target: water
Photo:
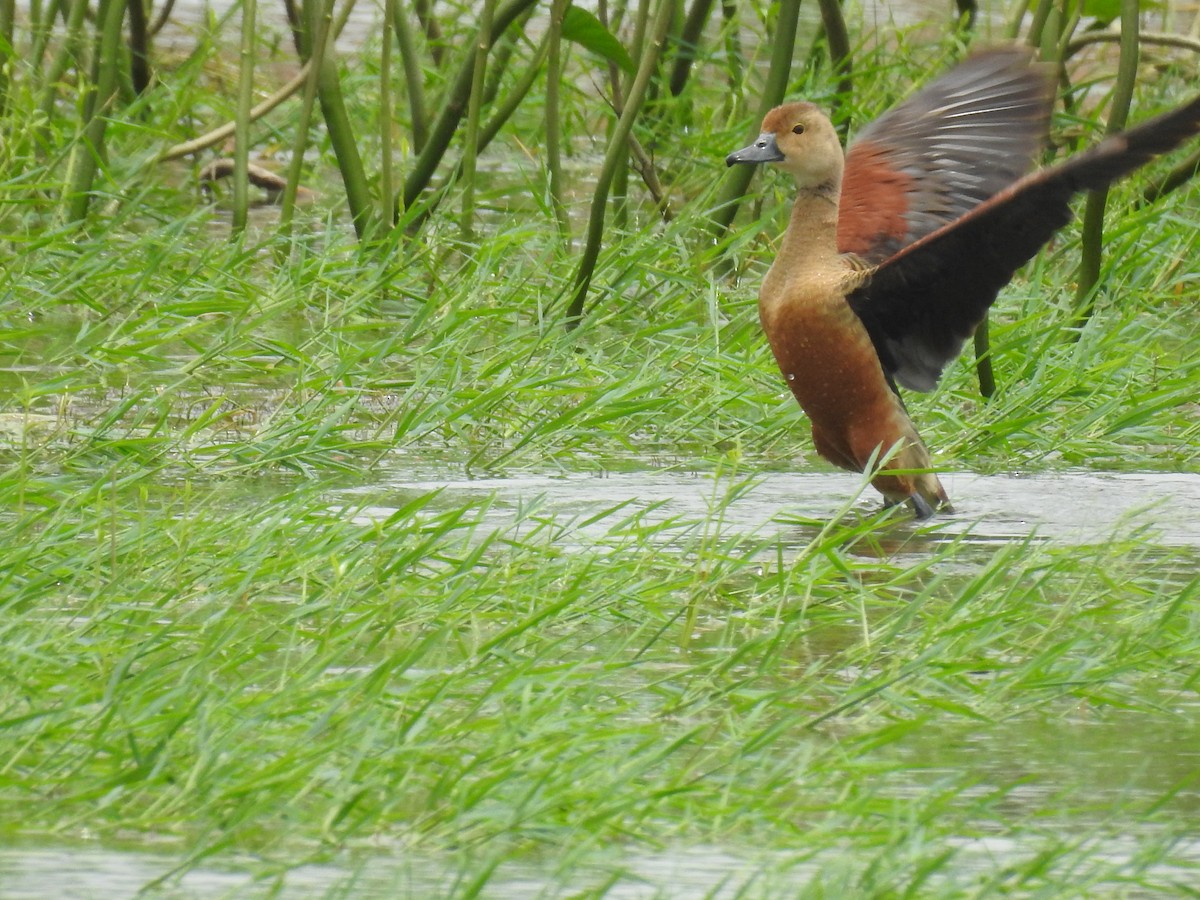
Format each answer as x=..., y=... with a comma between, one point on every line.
x=86, y=873
x=1093, y=769
x=1071, y=507
x=80, y=872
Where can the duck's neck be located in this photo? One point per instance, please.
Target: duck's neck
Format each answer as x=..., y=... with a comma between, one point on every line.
x=811, y=238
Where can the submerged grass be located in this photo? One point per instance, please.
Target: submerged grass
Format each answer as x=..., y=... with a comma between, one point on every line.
x=236, y=615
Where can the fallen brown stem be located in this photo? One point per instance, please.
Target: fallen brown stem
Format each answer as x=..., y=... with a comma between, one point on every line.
x=1146, y=37
x=269, y=181
x=219, y=134
x=644, y=166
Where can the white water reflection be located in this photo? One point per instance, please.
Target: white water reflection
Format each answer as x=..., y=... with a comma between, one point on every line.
x=1070, y=507
x=88, y=873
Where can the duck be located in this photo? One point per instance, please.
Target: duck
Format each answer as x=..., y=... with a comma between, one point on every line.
x=896, y=249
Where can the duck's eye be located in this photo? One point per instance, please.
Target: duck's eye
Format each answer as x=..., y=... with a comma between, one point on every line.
x=798, y=129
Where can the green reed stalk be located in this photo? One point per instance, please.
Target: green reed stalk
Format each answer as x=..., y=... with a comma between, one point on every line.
x=385, y=112
x=620, y=181
x=341, y=136
x=502, y=113
x=315, y=45
x=1016, y=17
x=139, y=47
x=504, y=110
x=41, y=27
x=689, y=40
x=1041, y=15
x=734, y=57
x=553, y=122
x=617, y=149
x=164, y=15
x=1176, y=178
x=295, y=84
x=8, y=14
x=453, y=108
x=1092, y=236
x=838, y=38
x=85, y=158
x=483, y=44
x=433, y=31
x=737, y=179
x=984, y=372
x=641, y=22
x=245, y=100
x=501, y=55
x=414, y=79
x=70, y=51
x=1069, y=24
x=325, y=83
x=1043, y=33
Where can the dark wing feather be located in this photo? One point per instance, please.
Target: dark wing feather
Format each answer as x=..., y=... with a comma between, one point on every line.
x=920, y=305
x=943, y=151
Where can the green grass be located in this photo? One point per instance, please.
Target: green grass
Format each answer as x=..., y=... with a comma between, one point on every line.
x=237, y=631
x=279, y=673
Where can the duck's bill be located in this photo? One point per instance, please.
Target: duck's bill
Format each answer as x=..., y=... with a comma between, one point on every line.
x=763, y=150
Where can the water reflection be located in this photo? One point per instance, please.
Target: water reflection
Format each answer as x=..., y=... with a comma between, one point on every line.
x=1145, y=856
x=1068, y=508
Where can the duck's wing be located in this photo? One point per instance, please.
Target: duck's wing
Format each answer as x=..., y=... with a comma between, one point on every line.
x=920, y=305
x=945, y=150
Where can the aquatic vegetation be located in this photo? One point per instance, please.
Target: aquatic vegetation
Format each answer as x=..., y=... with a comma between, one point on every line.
x=341, y=565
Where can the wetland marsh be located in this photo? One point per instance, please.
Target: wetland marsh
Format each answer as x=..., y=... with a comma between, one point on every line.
x=341, y=568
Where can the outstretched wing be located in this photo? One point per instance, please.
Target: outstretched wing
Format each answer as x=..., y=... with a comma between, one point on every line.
x=920, y=305
x=942, y=152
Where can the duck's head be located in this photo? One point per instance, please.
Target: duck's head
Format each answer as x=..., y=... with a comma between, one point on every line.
x=798, y=138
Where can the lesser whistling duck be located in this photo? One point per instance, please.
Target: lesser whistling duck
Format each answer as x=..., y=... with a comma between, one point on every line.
x=894, y=254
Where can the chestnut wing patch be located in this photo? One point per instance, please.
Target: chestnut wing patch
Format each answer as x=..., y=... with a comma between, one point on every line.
x=920, y=305
x=871, y=213
x=942, y=152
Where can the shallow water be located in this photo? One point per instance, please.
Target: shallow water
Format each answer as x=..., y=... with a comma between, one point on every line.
x=1090, y=770
x=84, y=873
x=1071, y=507
x=1113, y=759
x=80, y=872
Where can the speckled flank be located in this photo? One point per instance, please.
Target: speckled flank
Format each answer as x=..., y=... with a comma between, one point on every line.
x=828, y=362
